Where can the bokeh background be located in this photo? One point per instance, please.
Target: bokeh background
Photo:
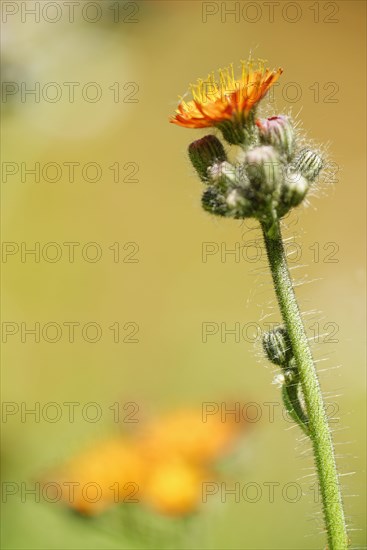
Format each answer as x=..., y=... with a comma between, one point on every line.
x=154, y=51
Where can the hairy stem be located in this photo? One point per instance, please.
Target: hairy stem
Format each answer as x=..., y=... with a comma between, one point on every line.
x=318, y=427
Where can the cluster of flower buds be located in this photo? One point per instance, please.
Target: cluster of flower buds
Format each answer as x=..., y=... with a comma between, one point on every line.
x=268, y=177
x=278, y=349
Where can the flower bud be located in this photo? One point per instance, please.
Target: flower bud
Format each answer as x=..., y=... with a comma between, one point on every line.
x=264, y=169
x=277, y=131
x=235, y=199
x=309, y=163
x=294, y=190
x=222, y=174
x=204, y=153
x=238, y=205
x=277, y=346
x=214, y=202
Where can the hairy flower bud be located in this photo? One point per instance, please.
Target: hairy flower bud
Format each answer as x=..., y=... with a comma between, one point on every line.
x=294, y=190
x=204, y=153
x=309, y=163
x=277, y=346
x=278, y=132
x=263, y=168
x=235, y=199
x=214, y=201
x=238, y=205
x=222, y=174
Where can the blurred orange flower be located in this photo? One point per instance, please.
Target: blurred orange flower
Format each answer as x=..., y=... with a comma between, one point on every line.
x=112, y=471
x=185, y=433
x=163, y=465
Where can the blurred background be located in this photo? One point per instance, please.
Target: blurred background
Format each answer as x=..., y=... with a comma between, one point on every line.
x=125, y=306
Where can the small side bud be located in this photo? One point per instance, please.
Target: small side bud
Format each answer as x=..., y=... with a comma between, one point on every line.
x=277, y=131
x=294, y=190
x=214, y=202
x=309, y=164
x=204, y=153
x=277, y=346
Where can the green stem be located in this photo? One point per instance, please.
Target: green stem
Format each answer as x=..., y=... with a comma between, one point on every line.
x=319, y=430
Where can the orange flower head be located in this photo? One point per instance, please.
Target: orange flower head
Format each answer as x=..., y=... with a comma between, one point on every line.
x=227, y=101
